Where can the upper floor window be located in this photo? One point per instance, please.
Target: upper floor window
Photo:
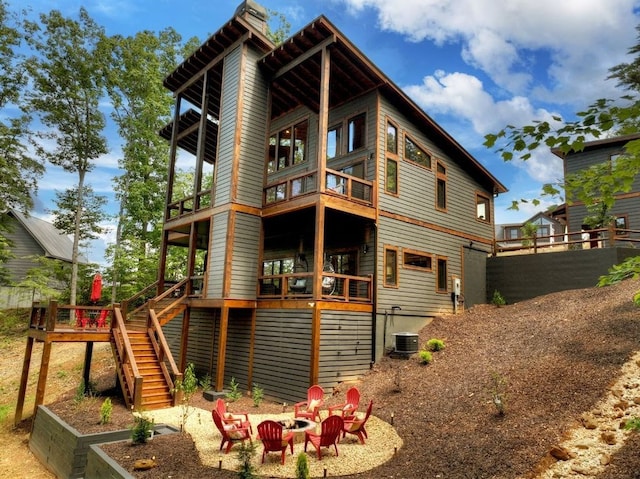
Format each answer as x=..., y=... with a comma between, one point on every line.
x=483, y=207
x=288, y=147
x=391, y=177
x=441, y=187
x=356, y=132
x=334, y=142
x=392, y=138
x=413, y=152
x=622, y=225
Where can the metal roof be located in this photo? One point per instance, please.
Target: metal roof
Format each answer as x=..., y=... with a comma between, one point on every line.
x=56, y=245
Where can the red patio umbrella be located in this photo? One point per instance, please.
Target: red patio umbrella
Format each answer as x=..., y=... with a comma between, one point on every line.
x=96, y=288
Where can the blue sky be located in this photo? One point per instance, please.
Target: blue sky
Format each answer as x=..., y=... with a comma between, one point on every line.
x=472, y=65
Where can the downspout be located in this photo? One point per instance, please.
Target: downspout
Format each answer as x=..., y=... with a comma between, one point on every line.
x=374, y=295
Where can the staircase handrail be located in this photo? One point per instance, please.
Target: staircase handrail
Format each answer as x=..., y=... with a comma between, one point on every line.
x=163, y=352
x=125, y=303
x=126, y=356
x=174, y=304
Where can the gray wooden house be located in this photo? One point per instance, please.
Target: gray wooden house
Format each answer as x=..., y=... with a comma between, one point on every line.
x=328, y=211
x=30, y=238
x=626, y=209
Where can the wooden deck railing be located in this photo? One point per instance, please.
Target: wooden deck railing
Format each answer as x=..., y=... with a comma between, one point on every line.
x=187, y=205
x=348, y=288
x=597, y=238
x=52, y=316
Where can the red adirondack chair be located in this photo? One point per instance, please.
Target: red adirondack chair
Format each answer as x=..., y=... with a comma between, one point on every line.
x=357, y=426
x=310, y=409
x=230, y=433
x=348, y=408
x=81, y=319
x=239, y=418
x=270, y=433
x=330, y=430
x=102, y=319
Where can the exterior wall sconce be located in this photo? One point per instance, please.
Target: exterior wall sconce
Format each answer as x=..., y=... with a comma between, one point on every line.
x=365, y=248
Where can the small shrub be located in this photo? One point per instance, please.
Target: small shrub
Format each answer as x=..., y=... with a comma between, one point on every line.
x=246, y=452
x=633, y=424
x=84, y=391
x=302, y=467
x=257, y=394
x=105, y=411
x=4, y=412
x=434, y=345
x=425, y=356
x=205, y=382
x=141, y=430
x=234, y=393
x=498, y=392
x=498, y=299
x=187, y=386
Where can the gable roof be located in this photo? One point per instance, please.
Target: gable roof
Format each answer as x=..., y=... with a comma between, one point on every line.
x=55, y=244
x=592, y=145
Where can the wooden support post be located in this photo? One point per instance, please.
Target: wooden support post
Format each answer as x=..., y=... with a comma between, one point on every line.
x=222, y=348
x=314, y=358
x=24, y=379
x=86, y=374
x=42, y=378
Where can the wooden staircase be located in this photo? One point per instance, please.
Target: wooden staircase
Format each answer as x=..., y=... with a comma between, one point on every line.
x=146, y=369
x=156, y=393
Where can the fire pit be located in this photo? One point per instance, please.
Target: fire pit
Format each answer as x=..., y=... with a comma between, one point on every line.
x=296, y=425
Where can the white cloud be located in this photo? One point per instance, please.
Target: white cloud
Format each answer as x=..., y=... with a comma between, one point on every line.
x=580, y=39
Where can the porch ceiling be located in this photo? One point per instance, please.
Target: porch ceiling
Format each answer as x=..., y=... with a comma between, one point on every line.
x=188, y=136
x=295, y=67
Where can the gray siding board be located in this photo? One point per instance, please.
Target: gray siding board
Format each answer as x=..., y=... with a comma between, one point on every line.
x=253, y=137
x=245, y=256
x=217, y=254
x=228, y=124
x=24, y=246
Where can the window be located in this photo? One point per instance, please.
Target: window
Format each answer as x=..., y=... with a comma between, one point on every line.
x=441, y=187
x=391, y=267
x=391, y=175
x=441, y=287
x=274, y=267
x=483, y=208
x=288, y=147
x=512, y=232
x=356, y=132
x=622, y=224
x=416, y=260
x=392, y=139
x=334, y=142
x=413, y=152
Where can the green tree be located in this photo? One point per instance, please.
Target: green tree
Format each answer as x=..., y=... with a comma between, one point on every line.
x=141, y=107
x=528, y=231
x=281, y=32
x=19, y=170
x=67, y=74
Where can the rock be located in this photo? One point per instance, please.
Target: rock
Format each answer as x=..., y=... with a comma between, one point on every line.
x=144, y=464
x=605, y=460
x=585, y=471
x=561, y=453
x=589, y=422
x=622, y=404
x=636, y=400
x=608, y=437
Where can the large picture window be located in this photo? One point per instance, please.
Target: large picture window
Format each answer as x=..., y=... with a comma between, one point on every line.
x=288, y=147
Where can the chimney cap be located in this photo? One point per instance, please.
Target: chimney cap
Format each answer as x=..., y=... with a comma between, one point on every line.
x=253, y=8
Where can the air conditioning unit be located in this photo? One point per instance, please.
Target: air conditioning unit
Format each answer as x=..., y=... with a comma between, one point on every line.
x=406, y=343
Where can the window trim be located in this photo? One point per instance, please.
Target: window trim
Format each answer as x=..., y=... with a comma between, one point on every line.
x=445, y=259
x=386, y=138
x=624, y=216
x=420, y=147
x=348, y=121
x=385, y=284
x=417, y=253
x=480, y=195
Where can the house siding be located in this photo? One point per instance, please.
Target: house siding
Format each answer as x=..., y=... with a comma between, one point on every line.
x=245, y=256
x=24, y=248
x=253, y=133
x=228, y=124
x=217, y=255
x=282, y=352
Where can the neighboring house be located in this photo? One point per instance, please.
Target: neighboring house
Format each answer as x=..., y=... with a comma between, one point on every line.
x=549, y=229
x=626, y=209
x=340, y=213
x=31, y=237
